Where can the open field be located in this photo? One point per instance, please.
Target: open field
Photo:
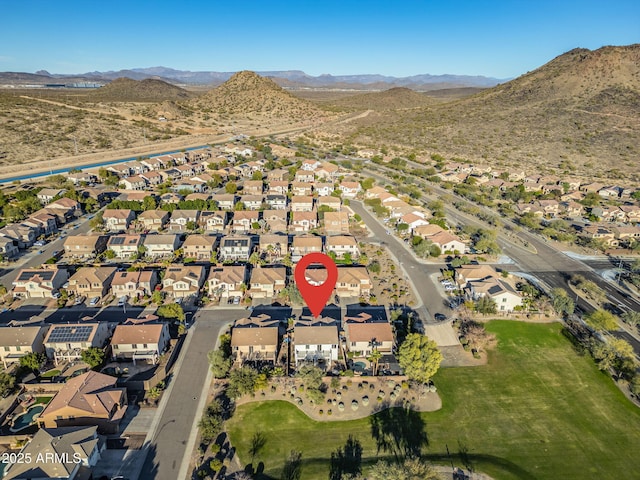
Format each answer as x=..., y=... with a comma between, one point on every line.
x=538, y=410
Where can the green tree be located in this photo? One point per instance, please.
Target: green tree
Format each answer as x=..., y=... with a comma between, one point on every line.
x=171, y=310
x=93, y=356
x=601, y=320
x=409, y=469
x=219, y=363
x=367, y=183
x=33, y=361
x=7, y=383
x=374, y=358
x=156, y=297
x=292, y=469
x=632, y=318
x=97, y=221
x=231, y=187
x=210, y=424
x=374, y=267
x=486, y=305
x=562, y=304
x=419, y=357
x=242, y=381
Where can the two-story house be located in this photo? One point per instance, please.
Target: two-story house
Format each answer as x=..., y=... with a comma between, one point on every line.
x=161, y=246
x=66, y=342
x=301, y=203
x=91, y=281
x=336, y=223
x=116, y=220
x=255, y=339
x=273, y=246
x=143, y=342
x=316, y=342
x=303, y=244
x=16, y=342
x=267, y=282
x=364, y=334
x=235, y=248
x=183, y=281
x=243, y=220
x=153, y=220
x=276, y=201
x=303, y=221
x=213, y=221
x=227, y=281
x=276, y=220
x=199, y=247
x=134, y=284
x=182, y=220
x=125, y=246
x=39, y=283
x=342, y=245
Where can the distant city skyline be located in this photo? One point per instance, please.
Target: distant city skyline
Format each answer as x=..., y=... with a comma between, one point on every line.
x=501, y=39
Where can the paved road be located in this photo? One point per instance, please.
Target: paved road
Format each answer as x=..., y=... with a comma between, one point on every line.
x=174, y=428
x=419, y=273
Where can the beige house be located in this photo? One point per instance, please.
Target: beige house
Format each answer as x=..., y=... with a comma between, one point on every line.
x=363, y=335
x=124, y=246
x=255, y=339
x=61, y=447
x=252, y=187
x=225, y=201
x=331, y=202
x=183, y=280
x=448, y=242
x=161, y=246
x=39, y=283
x=301, y=188
x=303, y=221
x=505, y=296
x=116, y=220
x=243, y=220
x=336, y=223
x=267, y=282
x=90, y=399
x=280, y=187
x=252, y=202
x=213, y=221
x=84, y=246
x=273, y=246
x=324, y=189
x=470, y=273
x=303, y=245
x=181, y=220
x=153, y=219
x=276, y=220
x=349, y=189
x=65, y=342
x=146, y=341
x=341, y=245
x=227, y=281
x=199, y=247
x=353, y=282
x=16, y=342
x=134, y=284
x=91, y=281
x=301, y=203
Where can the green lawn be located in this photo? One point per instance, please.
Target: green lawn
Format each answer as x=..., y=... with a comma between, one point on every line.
x=51, y=373
x=538, y=410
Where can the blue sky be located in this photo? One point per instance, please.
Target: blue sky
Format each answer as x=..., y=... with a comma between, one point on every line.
x=500, y=39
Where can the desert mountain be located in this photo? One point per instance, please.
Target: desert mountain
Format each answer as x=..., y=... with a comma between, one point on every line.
x=579, y=112
x=148, y=90
x=392, y=99
x=248, y=93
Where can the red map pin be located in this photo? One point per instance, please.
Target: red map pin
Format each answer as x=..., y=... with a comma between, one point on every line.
x=316, y=296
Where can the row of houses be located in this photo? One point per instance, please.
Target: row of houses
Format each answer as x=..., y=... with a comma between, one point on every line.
x=612, y=236
x=178, y=281
x=320, y=341
x=277, y=220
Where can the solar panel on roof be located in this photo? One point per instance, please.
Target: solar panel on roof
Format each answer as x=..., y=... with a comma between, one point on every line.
x=117, y=240
x=70, y=333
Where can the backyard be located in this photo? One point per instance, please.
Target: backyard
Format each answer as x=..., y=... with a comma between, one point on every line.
x=537, y=410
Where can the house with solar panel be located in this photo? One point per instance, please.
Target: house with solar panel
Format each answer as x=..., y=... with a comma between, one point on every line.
x=39, y=282
x=67, y=341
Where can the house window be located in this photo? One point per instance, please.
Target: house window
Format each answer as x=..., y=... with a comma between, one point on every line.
x=6, y=349
x=116, y=347
x=134, y=345
x=504, y=300
x=18, y=349
x=353, y=344
x=144, y=345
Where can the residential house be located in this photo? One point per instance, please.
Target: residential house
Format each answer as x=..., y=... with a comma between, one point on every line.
x=182, y=281
x=91, y=281
x=153, y=220
x=324, y=189
x=227, y=281
x=153, y=178
x=213, y=221
x=65, y=209
x=353, y=282
x=309, y=165
x=505, y=296
x=276, y=201
x=252, y=202
x=303, y=244
x=303, y=221
x=571, y=209
x=84, y=247
x=161, y=246
x=278, y=187
x=66, y=342
x=157, y=163
x=186, y=170
x=327, y=171
x=90, y=399
x=170, y=198
x=39, y=283
x=342, y=245
x=349, y=189
x=629, y=234
x=117, y=220
x=334, y=203
x=235, y=248
x=134, y=284
x=135, y=182
x=183, y=220
x=336, y=223
x=252, y=187
x=301, y=203
x=145, y=341
x=304, y=176
x=273, y=246
x=277, y=175
x=45, y=223
x=448, y=242
x=631, y=213
x=8, y=248
x=301, y=188
x=81, y=177
x=413, y=221
x=199, y=247
x=23, y=235
x=472, y=273
x=363, y=335
x=243, y=220
x=255, y=339
x=16, y=342
x=375, y=192
x=600, y=232
x=125, y=246
x=66, y=454
x=46, y=195
x=276, y=220
x=316, y=341
x=225, y=201
x=267, y=282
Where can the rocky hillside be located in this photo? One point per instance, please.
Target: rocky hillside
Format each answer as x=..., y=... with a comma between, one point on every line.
x=579, y=112
x=247, y=93
x=148, y=90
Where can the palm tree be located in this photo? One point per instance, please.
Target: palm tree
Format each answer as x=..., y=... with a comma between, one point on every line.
x=254, y=259
x=375, y=356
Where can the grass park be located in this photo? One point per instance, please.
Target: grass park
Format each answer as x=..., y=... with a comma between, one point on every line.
x=538, y=410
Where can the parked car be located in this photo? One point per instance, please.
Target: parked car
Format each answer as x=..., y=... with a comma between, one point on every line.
x=55, y=294
x=79, y=300
x=122, y=300
x=94, y=301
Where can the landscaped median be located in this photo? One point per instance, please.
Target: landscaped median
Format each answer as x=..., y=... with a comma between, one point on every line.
x=537, y=410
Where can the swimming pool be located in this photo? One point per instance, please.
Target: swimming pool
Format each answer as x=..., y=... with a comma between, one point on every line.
x=25, y=419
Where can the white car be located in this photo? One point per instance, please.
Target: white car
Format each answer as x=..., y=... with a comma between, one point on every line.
x=94, y=301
